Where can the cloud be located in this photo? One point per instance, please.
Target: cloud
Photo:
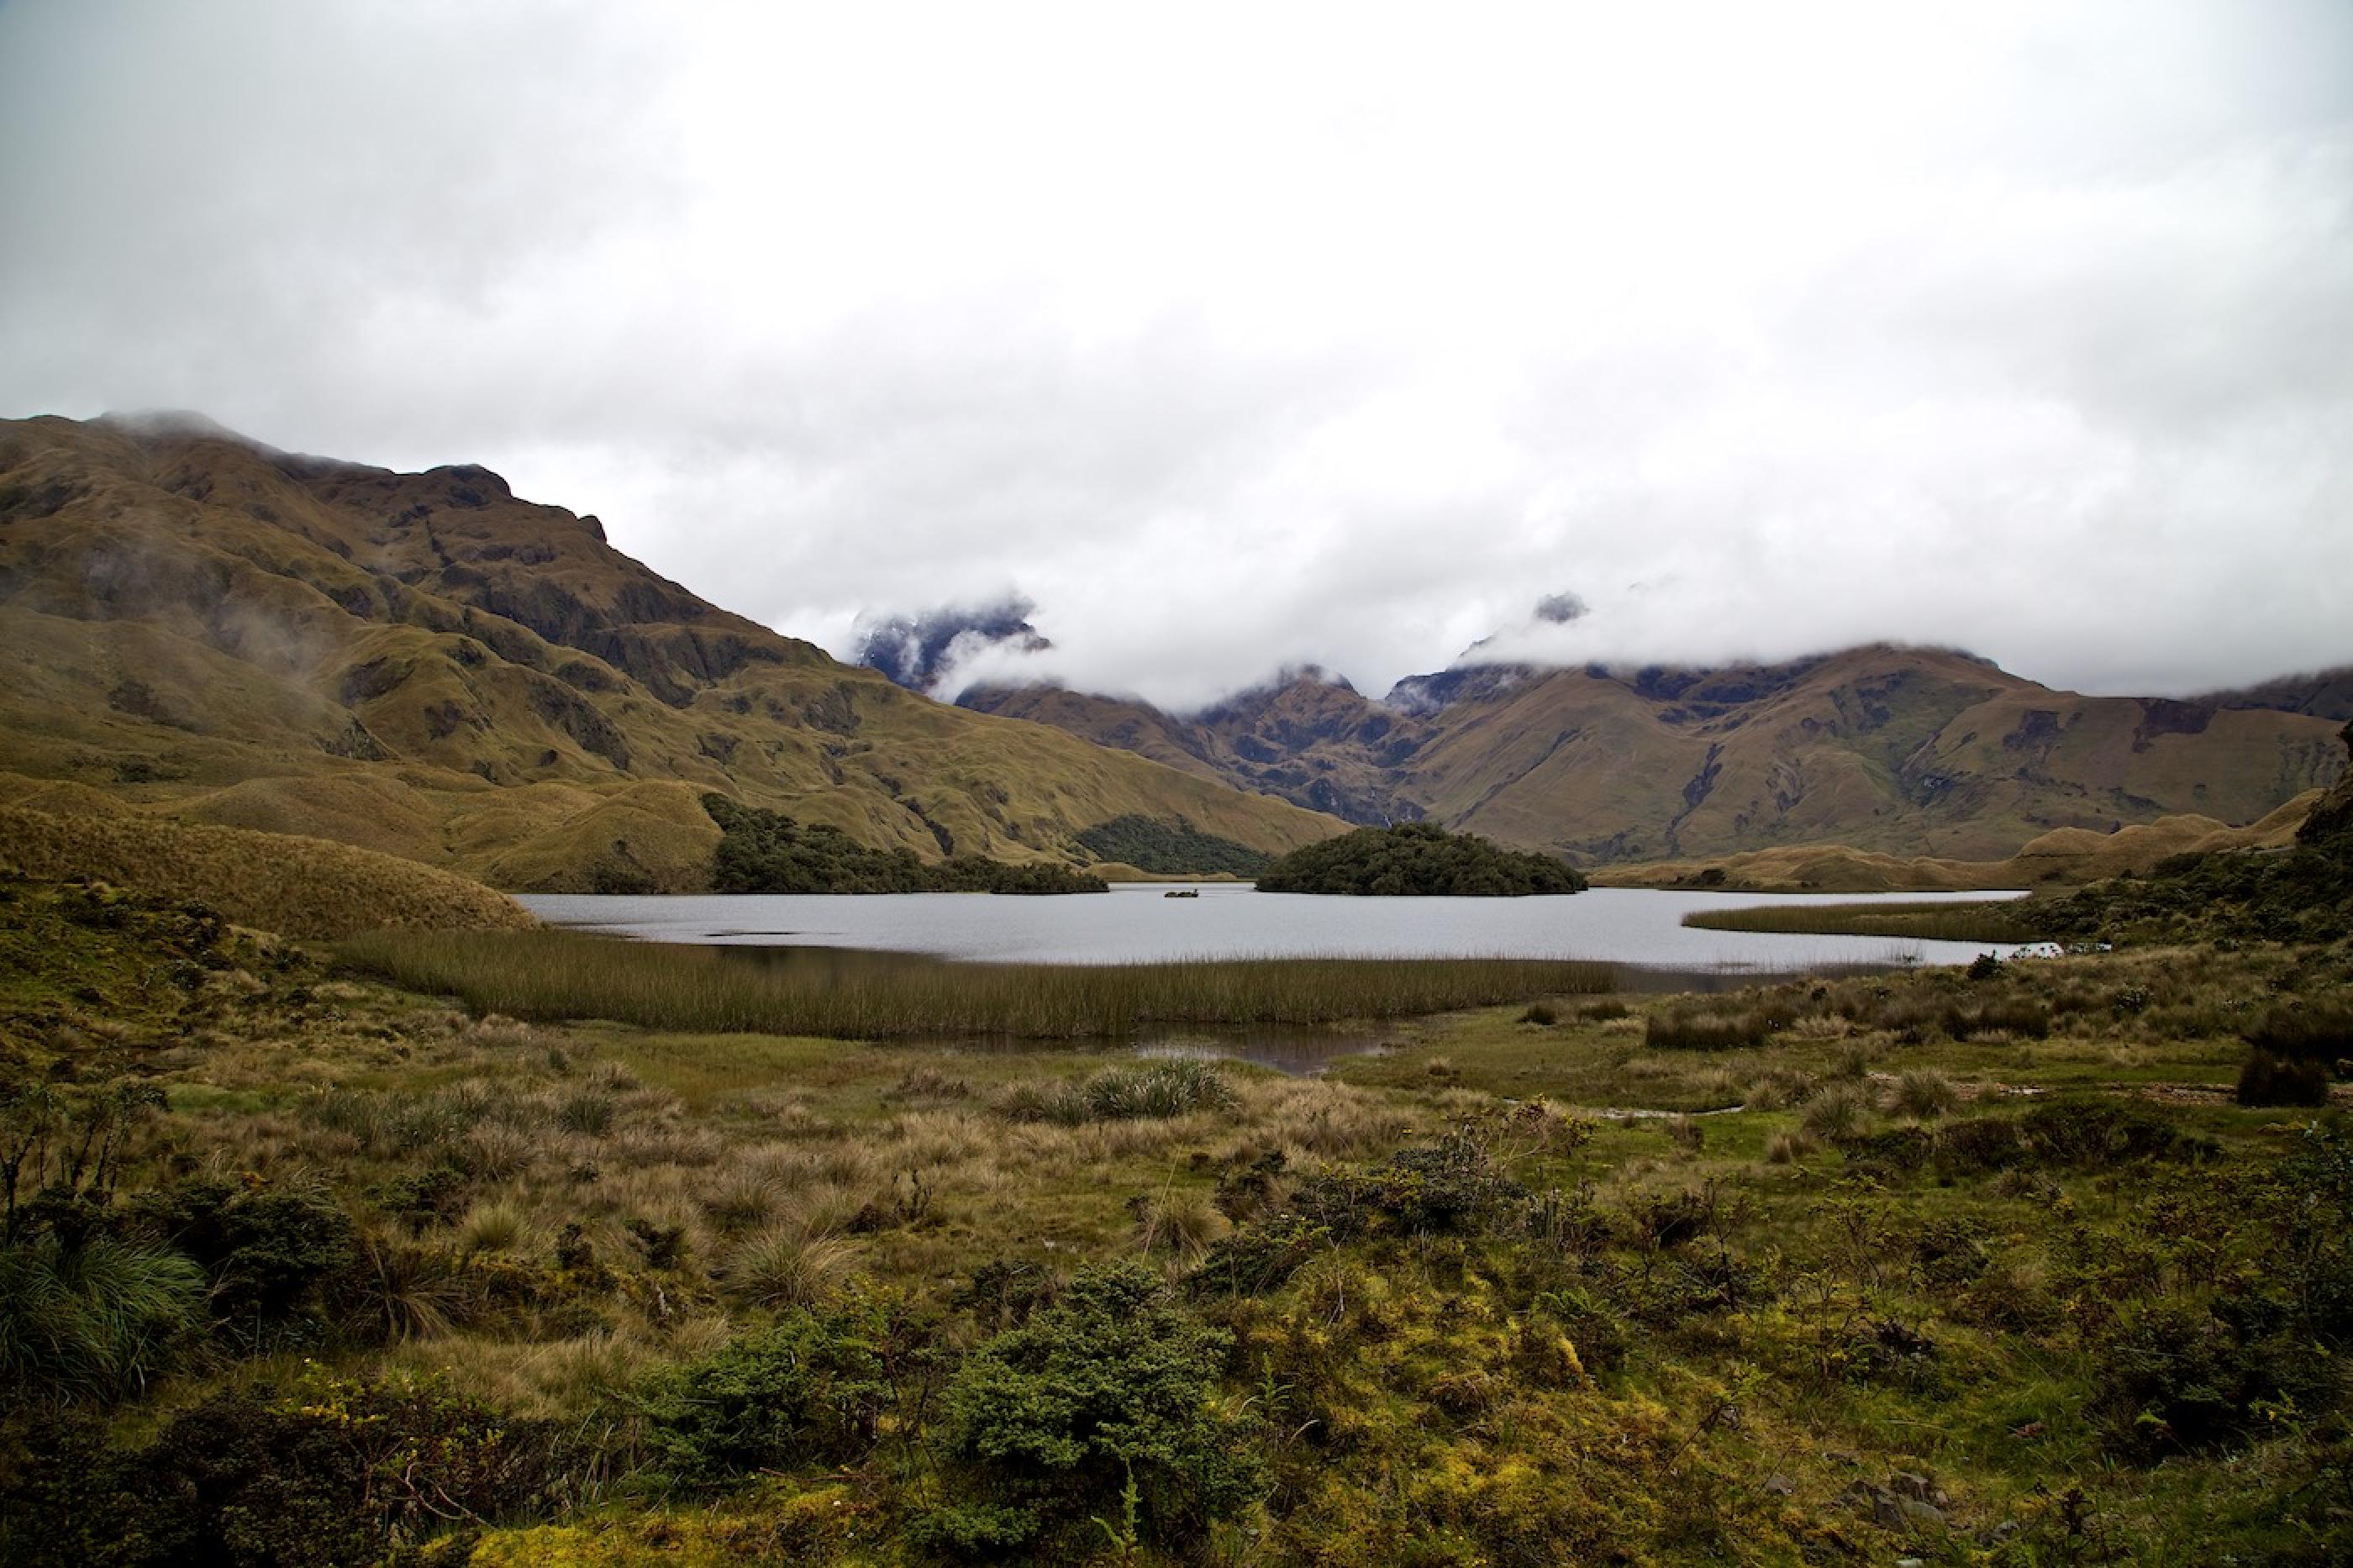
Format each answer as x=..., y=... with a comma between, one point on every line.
x=1330, y=336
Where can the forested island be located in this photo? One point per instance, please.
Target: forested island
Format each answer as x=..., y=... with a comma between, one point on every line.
x=769, y=852
x=1417, y=860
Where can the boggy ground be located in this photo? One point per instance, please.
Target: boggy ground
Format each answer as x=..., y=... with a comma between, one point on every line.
x=301, y=1267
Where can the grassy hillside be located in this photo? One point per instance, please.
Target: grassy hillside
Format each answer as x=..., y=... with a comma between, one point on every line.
x=293, y=886
x=2063, y=857
x=424, y=665
x=1885, y=750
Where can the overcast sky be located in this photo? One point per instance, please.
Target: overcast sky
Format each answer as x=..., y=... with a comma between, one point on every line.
x=1239, y=337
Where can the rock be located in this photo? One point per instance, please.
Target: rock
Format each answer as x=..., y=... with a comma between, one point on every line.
x=1911, y=1563
x=1876, y=1503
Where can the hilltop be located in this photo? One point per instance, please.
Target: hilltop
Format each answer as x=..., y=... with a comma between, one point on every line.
x=198, y=626
x=1882, y=750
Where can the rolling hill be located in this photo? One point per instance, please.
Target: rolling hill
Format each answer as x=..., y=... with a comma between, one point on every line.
x=1887, y=750
x=203, y=627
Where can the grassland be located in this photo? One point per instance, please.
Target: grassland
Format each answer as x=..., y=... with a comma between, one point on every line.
x=554, y=974
x=1992, y=921
x=1963, y=1267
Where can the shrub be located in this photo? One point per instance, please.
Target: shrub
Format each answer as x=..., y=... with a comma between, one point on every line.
x=2267, y=1079
x=1106, y=1392
x=1449, y=1187
x=812, y=1388
x=92, y=1320
x=269, y=1253
x=1541, y=1013
x=2319, y=1031
x=334, y=1472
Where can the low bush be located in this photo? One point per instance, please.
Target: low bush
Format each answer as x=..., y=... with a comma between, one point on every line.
x=2267, y=1079
x=332, y=1472
x=1099, y=1407
x=2319, y=1031
x=811, y=1389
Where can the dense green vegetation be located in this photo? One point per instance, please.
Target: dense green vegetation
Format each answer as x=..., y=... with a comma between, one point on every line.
x=1169, y=849
x=553, y=974
x=1991, y=920
x=1978, y=1265
x=767, y=852
x=1416, y=859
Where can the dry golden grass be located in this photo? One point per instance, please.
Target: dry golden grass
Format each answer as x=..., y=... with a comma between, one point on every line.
x=296, y=887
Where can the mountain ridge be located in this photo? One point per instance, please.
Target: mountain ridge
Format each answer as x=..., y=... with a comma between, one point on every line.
x=1883, y=747
x=424, y=664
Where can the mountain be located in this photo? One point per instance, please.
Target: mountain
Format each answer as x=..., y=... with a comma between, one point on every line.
x=1911, y=751
x=423, y=664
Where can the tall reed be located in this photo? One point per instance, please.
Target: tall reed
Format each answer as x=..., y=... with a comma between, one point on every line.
x=569, y=974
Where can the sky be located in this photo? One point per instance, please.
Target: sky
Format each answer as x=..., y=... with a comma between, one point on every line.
x=1238, y=338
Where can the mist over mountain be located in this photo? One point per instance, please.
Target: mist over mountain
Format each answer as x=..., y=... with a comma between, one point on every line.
x=924, y=652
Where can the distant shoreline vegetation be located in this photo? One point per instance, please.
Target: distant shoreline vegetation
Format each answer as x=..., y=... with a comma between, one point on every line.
x=767, y=852
x=1175, y=848
x=1417, y=860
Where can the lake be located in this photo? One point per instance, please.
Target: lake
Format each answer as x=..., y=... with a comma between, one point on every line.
x=1134, y=924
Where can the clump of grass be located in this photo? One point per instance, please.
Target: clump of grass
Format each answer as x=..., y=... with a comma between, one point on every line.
x=1543, y=1014
x=496, y=1152
x=1839, y=1112
x=1926, y=1094
x=783, y=1268
x=1788, y=1148
x=1152, y=1091
x=494, y=1226
x=93, y=1320
x=1183, y=1222
x=2003, y=920
x=1686, y=1133
x=549, y=975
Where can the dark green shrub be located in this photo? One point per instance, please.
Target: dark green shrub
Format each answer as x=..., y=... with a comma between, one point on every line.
x=1453, y=1187
x=1048, y=1426
x=811, y=1388
x=2267, y=1079
x=1256, y=1259
x=2320, y=1032
x=335, y=1473
x=267, y=1252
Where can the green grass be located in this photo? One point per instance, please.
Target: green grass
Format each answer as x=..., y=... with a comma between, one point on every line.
x=548, y=975
x=2001, y=920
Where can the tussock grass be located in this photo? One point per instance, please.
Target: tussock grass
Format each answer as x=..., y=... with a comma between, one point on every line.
x=272, y=881
x=550, y=974
x=2002, y=920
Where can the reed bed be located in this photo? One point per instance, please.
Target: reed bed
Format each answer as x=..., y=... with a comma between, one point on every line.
x=551, y=974
x=2000, y=920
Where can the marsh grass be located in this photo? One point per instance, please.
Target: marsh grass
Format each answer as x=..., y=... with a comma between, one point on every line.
x=551, y=974
x=2004, y=920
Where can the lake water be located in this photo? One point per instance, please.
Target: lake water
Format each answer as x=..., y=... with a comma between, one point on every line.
x=1134, y=923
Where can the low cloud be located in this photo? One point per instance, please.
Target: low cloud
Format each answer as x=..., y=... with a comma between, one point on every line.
x=1764, y=332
